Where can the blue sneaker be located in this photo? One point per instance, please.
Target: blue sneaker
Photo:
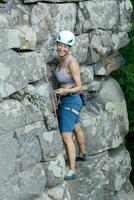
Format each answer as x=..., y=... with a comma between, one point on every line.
x=70, y=176
x=81, y=158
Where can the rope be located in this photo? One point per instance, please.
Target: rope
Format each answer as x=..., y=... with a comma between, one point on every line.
x=54, y=96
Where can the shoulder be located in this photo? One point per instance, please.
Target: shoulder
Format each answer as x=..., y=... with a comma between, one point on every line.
x=73, y=61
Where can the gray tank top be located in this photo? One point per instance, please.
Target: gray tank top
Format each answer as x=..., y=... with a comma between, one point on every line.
x=62, y=77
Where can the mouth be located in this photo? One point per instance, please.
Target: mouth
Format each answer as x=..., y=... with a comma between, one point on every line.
x=61, y=52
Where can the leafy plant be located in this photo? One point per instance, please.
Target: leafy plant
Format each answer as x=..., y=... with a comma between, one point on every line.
x=125, y=76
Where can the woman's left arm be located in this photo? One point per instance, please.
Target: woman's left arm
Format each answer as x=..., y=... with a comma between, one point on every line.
x=75, y=72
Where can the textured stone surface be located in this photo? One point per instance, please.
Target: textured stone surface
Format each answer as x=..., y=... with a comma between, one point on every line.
x=12, y=116
x=14, y=16
x=59, y=192
x=20, y=38
x=80, y=50
x=19, y=70
x=87, y=74
x=51, y=144
x=34, y=66
x=8, y=151
x=29, y=148
x=32, y=164
x=53, y=1
x=12, y=73
x=99, y=177
x=55, y=170
x=105, y=122
x=33, y=180
x=92, y=18
x=125, y=13
x=43, y=197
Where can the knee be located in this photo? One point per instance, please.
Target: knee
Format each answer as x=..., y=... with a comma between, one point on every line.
x=66, y=139
x=78, y=130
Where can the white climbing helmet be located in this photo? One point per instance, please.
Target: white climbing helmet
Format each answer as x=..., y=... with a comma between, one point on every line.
x=66, y=37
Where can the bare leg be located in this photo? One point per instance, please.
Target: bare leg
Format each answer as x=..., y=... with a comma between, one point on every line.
x=80, y=139
x=70, y=149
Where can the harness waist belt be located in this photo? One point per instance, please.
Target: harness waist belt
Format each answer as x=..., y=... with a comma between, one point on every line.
x=72, y=110
x=72, y=94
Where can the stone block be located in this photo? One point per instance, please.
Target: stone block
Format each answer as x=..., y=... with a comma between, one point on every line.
x=112, y=62
x=80, y=49
x=55, y=170
x=12, y=116
x=106, y=128
x=43, y=197
x=19, y=70
x=51, y=144
x=34, y=66
x=99, y=69
x=97, y=176
x=59, y=192
x=94, y=86
x=14, y=16
x=47, y=20
x=12, y=73
x=43, y=90
x=120, y=40
x=21, y=37
x=9, y=190
x=90, y=15
x=126, y=9
x=29, y=153
x=32, y=181
x=8, y=152
x=33, y=113
x=87, y=74
x=53, y=1
x=101, y=41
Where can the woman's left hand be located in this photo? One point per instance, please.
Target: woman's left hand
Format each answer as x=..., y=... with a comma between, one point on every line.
x=61, y=91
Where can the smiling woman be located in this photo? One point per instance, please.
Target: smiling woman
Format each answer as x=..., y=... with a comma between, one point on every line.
x=68, y=76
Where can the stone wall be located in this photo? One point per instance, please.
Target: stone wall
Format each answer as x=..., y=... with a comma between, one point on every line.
x=32, y=163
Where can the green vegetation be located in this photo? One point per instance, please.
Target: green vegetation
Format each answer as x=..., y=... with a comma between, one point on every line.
x=125, y=76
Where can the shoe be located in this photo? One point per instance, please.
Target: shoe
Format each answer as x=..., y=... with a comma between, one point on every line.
x=81, y=158
x=70, y=176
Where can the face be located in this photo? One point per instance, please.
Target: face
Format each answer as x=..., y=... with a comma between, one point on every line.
x=62, y=49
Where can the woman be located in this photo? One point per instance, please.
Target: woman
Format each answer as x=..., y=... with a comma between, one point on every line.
x=68, y=76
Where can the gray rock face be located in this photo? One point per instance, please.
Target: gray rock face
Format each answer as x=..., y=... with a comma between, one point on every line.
x=12, y=76
x=33, y=180
x=51, y=144
x=105, y=122
x=20, y=38
x=14, y=16
x=91, y=14
x=8, y=150
x=102, y=175
x=55, y=170
x=32, y=157
x=12, y=115
x=53, y=1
